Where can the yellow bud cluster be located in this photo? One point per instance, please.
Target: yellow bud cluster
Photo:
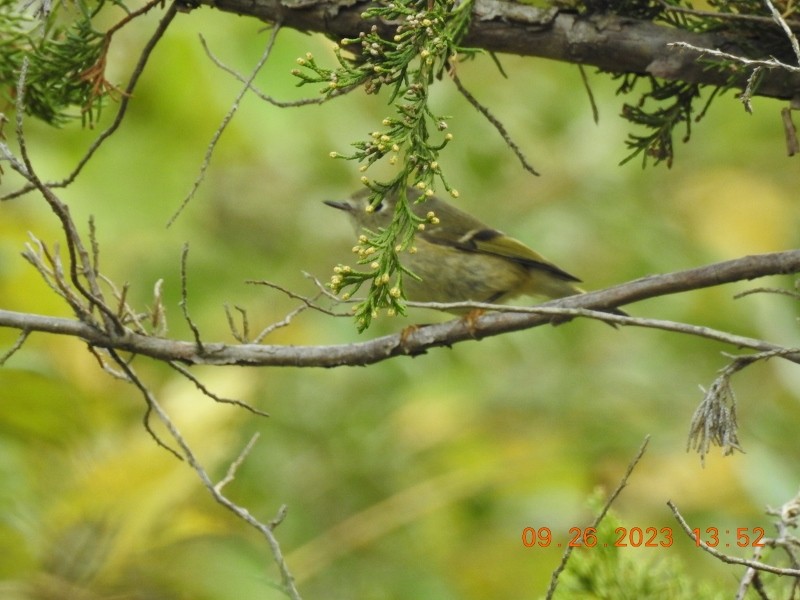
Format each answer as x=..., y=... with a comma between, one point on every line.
x=365, y=252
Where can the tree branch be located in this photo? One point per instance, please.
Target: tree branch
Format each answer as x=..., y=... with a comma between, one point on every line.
x=419, y=340
x=726, y=558
x=610, y=42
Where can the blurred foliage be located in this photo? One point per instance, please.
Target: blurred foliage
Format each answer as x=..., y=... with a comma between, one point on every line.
x=414, y=477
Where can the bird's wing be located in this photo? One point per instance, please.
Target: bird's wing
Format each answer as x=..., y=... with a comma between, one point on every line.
x=491, y=241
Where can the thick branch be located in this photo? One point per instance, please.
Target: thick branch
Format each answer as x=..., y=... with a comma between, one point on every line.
x=420, y=340
x=609, y=42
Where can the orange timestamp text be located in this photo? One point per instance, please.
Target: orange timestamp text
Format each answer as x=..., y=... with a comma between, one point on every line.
x=647, y=537
x=586, y=537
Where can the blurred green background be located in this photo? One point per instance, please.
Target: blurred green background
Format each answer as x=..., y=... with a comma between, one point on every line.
x=413, y=478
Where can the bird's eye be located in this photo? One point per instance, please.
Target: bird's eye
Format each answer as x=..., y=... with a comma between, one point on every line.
x=378, y=207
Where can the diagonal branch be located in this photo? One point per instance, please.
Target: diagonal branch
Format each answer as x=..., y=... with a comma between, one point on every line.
x=421, y=339
x=186, y=453
x=610, y=42
x=82, y=272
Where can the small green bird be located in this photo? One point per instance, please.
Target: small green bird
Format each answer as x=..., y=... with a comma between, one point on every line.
x=458, y=258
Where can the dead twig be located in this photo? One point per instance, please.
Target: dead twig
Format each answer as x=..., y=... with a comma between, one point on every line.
x=551, y=590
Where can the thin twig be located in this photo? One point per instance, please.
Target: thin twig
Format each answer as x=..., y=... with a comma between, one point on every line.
x=750, y=577
x=151, y=407
x=746, y=96
x=50, y=269
x=279, y=324
x=249, y=83
x=23, y=335
x=224, y=124
x=495, y=122
x=234, y=466
x=158, y=314
x=184, y=303
x=326, y=291
x=309, y=302
x=789, y=131
x=243, y=336
x=206, y=392
x=94, y=245
x=105, y=366
x=764, y=290
x=767, y=64
x=778, y=18
x=590, y=94
x=611, y=499
x=734, y=560
x=188, y=455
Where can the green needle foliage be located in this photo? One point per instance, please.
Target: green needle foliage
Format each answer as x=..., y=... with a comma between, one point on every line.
x=608, y=565
x=66, y=60
x=424, y=46
x=674, y=105
x=664, y=106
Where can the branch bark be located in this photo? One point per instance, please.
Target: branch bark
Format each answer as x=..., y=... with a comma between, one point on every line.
x=418, y=341
x=607, y=41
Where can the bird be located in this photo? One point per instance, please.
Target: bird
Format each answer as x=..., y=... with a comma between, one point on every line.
x=457, y=258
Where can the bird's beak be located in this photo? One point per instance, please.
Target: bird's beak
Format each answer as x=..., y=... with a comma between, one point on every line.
x=338, y=204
